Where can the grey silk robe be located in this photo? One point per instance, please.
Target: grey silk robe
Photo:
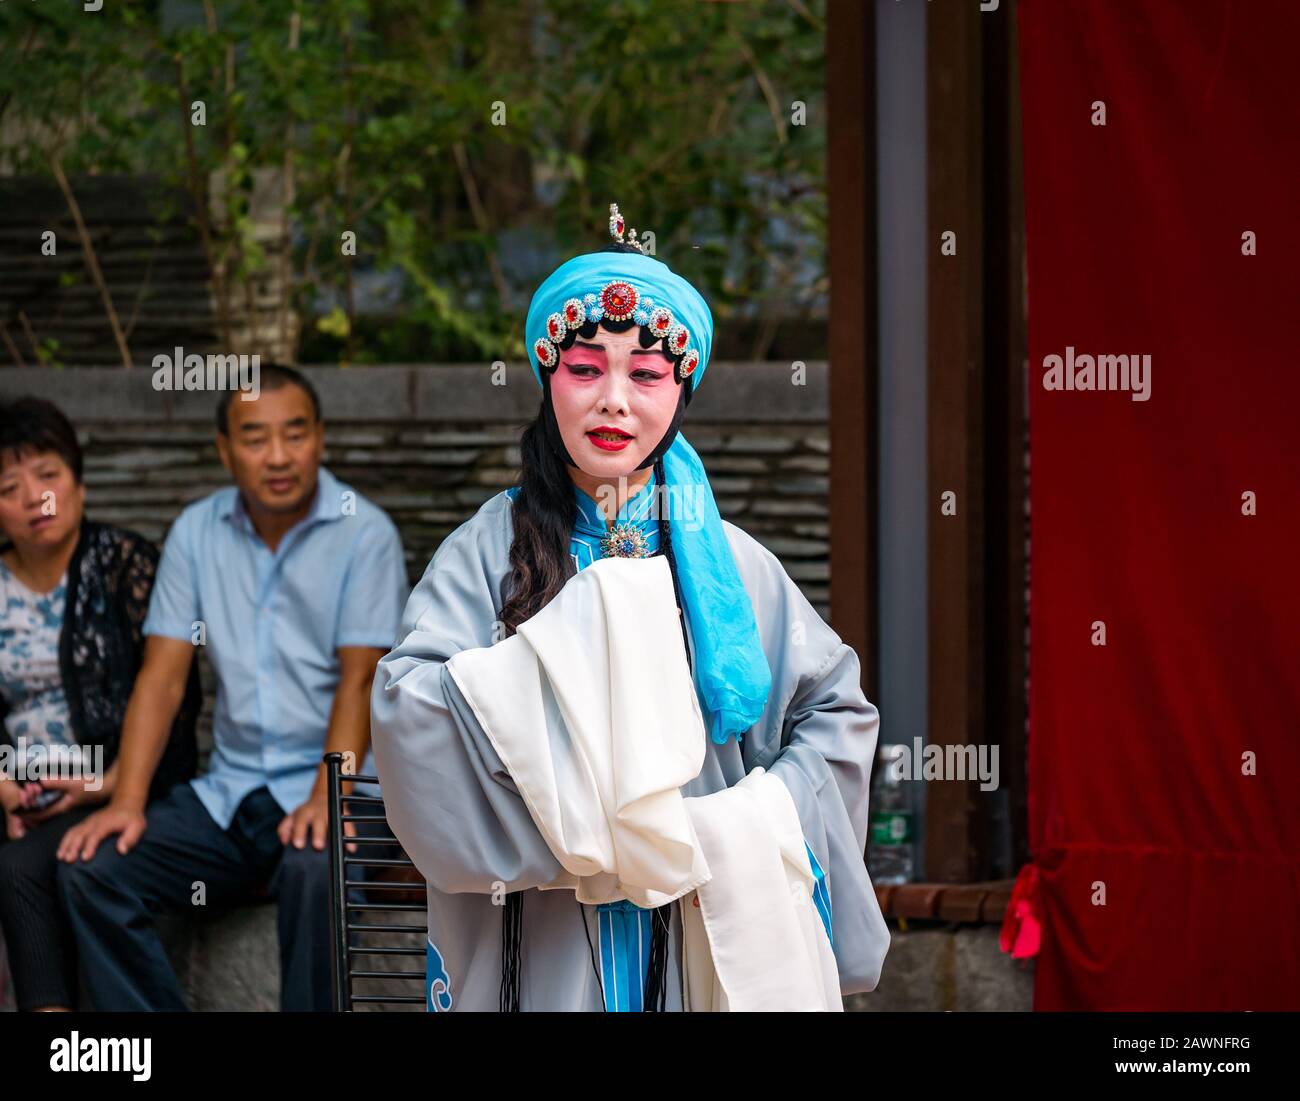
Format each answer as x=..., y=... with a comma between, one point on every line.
x=455, y=809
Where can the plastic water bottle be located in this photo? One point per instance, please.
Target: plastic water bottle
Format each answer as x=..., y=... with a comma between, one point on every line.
x=889, y=835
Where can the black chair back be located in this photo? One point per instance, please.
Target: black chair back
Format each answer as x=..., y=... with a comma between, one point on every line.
x=372, y=954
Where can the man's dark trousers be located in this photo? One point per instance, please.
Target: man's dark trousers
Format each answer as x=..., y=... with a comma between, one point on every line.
x=112, y=900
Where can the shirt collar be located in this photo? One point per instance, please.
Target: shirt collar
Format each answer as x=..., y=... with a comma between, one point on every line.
x=327, y=504
x=636, y=509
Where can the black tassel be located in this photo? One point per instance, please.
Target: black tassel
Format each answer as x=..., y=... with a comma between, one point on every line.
x=595, y=970
x=656, y=986
x=511, y=934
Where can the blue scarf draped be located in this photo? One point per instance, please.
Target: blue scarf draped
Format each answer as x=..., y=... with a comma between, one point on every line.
x=732, y=677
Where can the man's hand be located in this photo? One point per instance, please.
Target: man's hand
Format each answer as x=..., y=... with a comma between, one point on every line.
x=81, y=841
x=349, y=734
x=312, y=819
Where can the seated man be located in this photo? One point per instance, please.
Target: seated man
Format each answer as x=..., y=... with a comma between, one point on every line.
x=294, y=584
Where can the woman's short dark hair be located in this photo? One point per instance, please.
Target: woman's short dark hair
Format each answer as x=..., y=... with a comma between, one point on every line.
x=32, y=424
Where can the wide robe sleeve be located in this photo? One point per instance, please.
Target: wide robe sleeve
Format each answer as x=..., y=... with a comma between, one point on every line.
x=450, y=800
x=819, y=736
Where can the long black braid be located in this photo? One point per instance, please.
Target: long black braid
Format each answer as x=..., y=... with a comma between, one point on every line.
x=656, y=988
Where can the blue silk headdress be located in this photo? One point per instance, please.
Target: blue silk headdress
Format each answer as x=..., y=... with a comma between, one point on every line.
x=731, y=671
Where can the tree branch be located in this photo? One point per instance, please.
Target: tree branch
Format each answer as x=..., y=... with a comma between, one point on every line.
x=481, y=220
x=14, y=353
x=31, y=336
x=769, y=92
x=345, y=158
x=199, y=195
x=286, y=197
x=92, y=261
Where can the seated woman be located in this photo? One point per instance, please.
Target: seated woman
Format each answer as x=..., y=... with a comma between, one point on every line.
x=618, y=344
x=73, y=596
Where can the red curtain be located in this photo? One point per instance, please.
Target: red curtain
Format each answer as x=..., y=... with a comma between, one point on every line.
x=1163, y=765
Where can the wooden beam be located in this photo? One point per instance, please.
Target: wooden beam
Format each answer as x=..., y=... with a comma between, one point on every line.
x=955, y=429
x=1007, y=439
x=851, y=248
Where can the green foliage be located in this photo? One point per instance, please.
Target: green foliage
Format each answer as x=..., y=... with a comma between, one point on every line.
x=680, y=111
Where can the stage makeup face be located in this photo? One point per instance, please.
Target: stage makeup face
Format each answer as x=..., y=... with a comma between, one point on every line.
x=613, y=401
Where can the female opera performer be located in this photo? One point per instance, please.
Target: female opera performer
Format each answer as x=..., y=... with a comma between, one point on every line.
x=618, y=343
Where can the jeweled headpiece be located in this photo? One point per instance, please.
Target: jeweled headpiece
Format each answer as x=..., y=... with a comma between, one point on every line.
x=619, y=300
x=616, y=230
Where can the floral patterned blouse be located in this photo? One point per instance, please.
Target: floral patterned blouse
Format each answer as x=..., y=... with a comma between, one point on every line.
x=95, y=618
x=30, y=678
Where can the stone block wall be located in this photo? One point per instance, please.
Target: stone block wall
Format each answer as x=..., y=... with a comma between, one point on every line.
x=430, y=444
x=431, y=477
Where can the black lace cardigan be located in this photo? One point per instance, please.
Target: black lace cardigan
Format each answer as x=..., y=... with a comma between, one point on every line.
x=101, y=646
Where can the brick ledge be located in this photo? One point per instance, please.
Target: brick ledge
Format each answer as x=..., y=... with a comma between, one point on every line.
x=983, y=903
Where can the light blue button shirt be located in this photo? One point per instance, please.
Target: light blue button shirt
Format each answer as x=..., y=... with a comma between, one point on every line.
x=271, y=625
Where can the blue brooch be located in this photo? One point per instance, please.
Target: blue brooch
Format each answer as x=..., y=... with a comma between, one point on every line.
x=624, y=541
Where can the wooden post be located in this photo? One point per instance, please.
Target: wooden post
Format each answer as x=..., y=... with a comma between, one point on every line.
x=955, y=428
x=852, y=338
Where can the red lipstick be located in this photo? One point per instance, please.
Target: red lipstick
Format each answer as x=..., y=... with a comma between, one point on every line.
x=609, y=439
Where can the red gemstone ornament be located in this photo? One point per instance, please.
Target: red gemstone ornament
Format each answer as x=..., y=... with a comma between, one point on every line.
x=575, y=313
x=618, y=300
x=690, y=361
x=555, y=328
x=661, y=320
x=545, y=352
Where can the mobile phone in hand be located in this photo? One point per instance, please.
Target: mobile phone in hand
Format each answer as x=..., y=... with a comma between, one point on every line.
x=42, y=801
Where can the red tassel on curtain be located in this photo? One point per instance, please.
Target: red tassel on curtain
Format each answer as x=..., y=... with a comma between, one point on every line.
x=1022, y=927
